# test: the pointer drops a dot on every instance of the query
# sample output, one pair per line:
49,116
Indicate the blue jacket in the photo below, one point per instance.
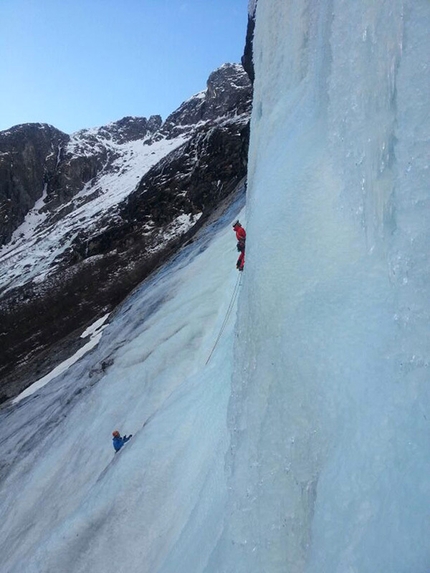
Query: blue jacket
119,441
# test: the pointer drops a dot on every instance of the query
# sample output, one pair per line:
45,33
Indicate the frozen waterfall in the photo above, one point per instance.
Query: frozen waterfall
303,446
330,408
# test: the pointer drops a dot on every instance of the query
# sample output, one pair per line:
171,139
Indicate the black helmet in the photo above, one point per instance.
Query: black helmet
237,224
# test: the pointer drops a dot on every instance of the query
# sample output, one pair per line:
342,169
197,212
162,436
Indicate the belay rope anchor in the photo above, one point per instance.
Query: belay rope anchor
227,316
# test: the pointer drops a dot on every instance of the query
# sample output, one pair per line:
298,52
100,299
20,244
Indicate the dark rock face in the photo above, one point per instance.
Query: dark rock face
192,180
90,151
247,58
37,159
221,97
28,153
247,61
227,93
130,128
101,262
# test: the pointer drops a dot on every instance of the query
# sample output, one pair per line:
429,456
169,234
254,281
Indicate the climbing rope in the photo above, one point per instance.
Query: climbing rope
227,316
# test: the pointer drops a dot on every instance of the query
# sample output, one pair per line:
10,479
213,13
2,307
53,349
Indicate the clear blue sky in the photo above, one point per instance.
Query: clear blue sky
83,63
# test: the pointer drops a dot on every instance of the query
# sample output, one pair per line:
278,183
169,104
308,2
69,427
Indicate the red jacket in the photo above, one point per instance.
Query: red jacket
240,232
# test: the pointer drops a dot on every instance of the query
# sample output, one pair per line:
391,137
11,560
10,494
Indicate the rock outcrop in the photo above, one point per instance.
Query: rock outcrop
28,153
247,58
39,162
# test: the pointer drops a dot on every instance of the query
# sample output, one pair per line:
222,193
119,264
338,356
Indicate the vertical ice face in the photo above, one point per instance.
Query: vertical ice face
330,412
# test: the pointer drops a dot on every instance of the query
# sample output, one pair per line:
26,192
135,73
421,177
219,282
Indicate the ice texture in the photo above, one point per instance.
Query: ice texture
329,415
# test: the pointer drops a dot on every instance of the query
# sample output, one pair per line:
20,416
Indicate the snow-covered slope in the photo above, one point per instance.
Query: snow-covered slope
41,239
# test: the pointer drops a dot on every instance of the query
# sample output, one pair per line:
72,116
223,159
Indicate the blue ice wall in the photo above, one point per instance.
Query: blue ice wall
330,412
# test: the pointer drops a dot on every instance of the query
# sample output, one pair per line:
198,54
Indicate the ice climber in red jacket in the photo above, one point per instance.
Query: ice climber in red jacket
241,240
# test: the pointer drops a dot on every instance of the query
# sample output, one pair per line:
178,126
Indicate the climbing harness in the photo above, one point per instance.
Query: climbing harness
227,316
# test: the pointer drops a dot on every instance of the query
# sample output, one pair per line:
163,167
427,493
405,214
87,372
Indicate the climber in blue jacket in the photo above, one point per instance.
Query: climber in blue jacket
119,441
